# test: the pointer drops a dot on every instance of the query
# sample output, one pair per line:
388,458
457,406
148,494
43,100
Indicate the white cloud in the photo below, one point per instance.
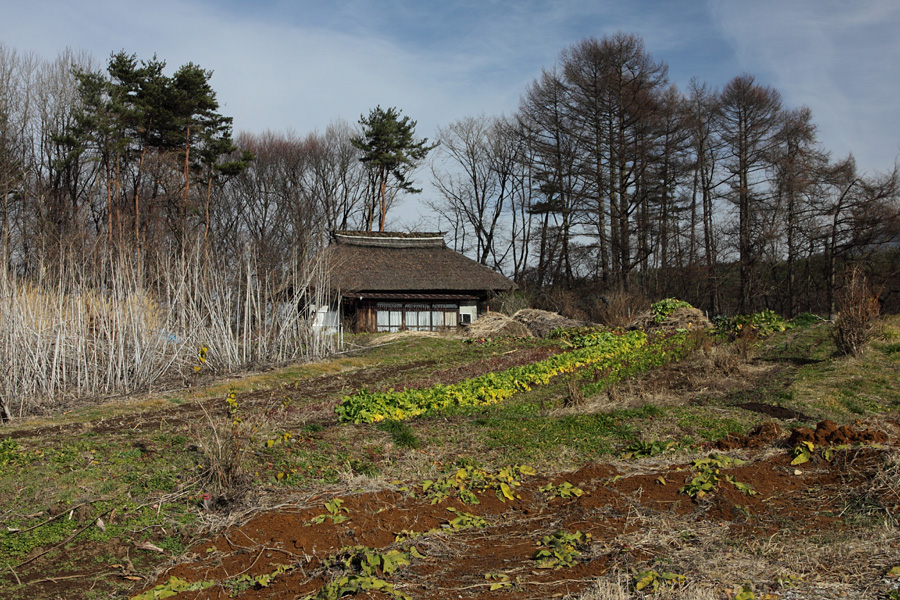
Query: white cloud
838,58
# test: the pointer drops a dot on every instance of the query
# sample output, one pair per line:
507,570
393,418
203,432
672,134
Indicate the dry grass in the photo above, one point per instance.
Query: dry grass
848,565
223,443
717,371
360,484
727,359
618,586
628,394
622,308
574,393
879,498
381,339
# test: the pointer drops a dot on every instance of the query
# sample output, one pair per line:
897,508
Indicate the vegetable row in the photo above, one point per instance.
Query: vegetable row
603,349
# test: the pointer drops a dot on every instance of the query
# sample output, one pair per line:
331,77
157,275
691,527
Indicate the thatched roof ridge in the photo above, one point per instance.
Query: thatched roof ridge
389,239
406,263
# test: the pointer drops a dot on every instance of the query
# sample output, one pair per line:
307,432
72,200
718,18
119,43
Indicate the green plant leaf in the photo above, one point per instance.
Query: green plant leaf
647,579
745,593
802,457
744,488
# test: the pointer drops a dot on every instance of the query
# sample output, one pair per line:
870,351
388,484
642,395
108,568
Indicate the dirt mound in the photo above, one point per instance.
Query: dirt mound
829,433
495,324
541,322
680,318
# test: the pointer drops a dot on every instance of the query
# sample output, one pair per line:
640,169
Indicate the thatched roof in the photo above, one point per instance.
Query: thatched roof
414,263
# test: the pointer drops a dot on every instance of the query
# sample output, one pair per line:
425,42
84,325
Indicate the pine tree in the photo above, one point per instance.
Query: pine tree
390,150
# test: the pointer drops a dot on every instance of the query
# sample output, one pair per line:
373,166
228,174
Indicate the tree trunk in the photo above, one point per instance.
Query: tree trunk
5,415
109,208
137,200
383,202
187,188
208,194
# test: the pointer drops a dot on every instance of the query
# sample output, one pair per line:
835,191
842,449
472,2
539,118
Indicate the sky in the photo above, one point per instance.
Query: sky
298,65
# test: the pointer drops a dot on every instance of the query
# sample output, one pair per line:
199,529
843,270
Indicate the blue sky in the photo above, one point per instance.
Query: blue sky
298,65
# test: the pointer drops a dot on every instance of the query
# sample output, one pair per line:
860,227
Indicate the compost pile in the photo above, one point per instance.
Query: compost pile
541,323
494,324
680,318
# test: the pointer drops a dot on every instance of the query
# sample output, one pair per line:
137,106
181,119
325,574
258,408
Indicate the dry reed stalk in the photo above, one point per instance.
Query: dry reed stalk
858,308
108,330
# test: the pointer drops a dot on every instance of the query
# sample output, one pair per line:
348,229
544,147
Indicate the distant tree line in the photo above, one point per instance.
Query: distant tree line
607,178
122,155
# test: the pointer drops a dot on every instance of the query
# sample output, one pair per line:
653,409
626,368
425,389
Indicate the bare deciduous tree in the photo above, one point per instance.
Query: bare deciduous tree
472,172
750,115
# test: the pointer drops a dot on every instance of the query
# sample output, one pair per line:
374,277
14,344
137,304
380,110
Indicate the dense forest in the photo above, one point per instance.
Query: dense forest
609,176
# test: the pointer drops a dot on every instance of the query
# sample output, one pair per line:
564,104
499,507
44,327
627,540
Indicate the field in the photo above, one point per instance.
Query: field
692,466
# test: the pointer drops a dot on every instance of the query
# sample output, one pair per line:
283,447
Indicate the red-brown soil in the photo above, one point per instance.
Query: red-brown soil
620,499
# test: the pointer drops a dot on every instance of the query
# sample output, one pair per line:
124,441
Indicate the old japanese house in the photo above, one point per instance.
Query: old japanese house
406,281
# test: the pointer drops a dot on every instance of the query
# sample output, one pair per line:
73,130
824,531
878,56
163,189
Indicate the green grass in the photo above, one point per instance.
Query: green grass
401,433
841,388
71,470
710,427
154,477
539,439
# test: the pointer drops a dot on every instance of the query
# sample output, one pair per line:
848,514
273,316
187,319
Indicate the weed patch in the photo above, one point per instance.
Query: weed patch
401,434
857,310
709,476
466,481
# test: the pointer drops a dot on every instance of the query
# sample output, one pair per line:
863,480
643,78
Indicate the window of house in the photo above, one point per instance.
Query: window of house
389,316
415,316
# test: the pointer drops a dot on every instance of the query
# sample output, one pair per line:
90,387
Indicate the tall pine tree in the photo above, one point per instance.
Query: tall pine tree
390,151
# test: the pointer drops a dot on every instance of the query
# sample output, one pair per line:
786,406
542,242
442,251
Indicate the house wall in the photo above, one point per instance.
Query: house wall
359,316
372,316
327,319
468,311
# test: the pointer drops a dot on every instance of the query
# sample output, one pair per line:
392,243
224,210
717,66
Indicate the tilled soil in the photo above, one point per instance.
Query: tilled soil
636,512
821,529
